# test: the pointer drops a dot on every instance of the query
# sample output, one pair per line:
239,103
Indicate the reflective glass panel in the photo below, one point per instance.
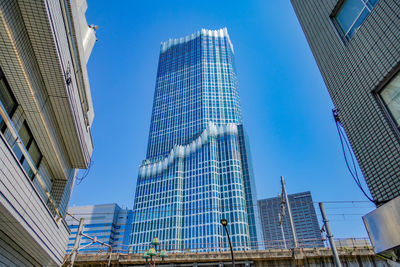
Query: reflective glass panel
6,98
391,97
35,154
24,134
349,13
352,14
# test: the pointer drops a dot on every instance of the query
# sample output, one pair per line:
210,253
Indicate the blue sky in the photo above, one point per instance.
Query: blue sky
286,107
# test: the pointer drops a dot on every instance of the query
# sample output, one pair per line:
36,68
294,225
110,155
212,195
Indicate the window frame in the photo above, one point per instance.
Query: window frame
31,140
377,94
334,20
3,126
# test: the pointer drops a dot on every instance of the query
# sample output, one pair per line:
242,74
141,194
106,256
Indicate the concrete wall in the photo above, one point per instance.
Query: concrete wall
362,256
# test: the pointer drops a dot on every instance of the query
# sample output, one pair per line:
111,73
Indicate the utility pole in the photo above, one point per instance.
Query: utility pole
283,233
330,236
77,241
289,212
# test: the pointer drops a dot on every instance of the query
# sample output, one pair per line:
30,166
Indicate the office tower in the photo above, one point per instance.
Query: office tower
109,223
45,118
304,218
197,170
356,46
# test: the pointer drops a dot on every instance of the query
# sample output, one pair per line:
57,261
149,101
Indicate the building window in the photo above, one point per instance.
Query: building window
351,14
390,96
7,99
31,146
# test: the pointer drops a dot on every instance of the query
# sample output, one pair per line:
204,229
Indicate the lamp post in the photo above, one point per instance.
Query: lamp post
224,223
152,252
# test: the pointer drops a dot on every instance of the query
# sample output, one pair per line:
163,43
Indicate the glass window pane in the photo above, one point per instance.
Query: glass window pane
24,134
17,152
6,98
391,97
359,21
28,169
35,154
348,13
371,3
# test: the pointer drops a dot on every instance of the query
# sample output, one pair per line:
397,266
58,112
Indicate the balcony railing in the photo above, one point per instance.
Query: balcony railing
19,148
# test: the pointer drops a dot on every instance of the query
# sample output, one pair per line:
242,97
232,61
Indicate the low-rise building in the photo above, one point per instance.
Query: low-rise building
46,115
109,223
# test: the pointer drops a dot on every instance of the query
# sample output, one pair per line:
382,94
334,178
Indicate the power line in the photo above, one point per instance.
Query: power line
219,208
344,140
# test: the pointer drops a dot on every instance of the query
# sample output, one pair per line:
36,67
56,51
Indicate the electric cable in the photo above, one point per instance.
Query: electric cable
79,180
343,139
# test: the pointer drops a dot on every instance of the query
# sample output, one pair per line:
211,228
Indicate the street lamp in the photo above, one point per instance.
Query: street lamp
152,252
224,223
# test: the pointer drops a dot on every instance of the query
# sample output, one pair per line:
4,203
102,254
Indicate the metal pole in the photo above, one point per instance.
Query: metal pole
283,233
230,244
330,236
289,212
77,241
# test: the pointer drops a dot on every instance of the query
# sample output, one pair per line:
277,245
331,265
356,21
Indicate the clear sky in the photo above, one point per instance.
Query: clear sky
286,107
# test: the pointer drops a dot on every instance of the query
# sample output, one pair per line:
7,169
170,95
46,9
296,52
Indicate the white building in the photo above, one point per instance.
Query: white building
46,115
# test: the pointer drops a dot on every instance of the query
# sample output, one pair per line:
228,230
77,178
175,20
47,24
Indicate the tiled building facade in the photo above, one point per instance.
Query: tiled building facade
108,223
356,45
45,118
304,218
197,169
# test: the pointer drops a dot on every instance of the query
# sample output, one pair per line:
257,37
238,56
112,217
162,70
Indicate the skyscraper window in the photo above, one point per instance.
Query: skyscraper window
197,153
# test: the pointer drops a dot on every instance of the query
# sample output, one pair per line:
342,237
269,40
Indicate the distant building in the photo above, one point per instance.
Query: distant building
108,223
356,46
304,218
198,167
46,114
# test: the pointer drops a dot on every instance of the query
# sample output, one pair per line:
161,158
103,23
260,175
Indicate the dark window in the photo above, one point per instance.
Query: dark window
390,96
31,146
351,14
7,99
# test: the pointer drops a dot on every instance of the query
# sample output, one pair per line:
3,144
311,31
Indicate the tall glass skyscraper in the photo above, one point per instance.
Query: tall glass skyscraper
198,168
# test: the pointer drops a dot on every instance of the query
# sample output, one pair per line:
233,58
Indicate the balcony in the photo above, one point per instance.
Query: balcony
30,221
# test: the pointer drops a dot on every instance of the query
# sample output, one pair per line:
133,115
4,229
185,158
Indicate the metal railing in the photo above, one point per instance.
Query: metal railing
36,176
341,243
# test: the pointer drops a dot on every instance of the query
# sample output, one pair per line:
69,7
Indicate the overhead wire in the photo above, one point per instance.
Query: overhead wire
343,142
79,180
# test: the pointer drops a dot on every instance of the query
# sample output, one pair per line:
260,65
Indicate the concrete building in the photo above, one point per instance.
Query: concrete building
304,218
46,115
198,168
108,223
356,44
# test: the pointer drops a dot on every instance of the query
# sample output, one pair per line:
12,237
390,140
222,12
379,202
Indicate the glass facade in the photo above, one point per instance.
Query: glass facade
109,223
304,218
197,170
